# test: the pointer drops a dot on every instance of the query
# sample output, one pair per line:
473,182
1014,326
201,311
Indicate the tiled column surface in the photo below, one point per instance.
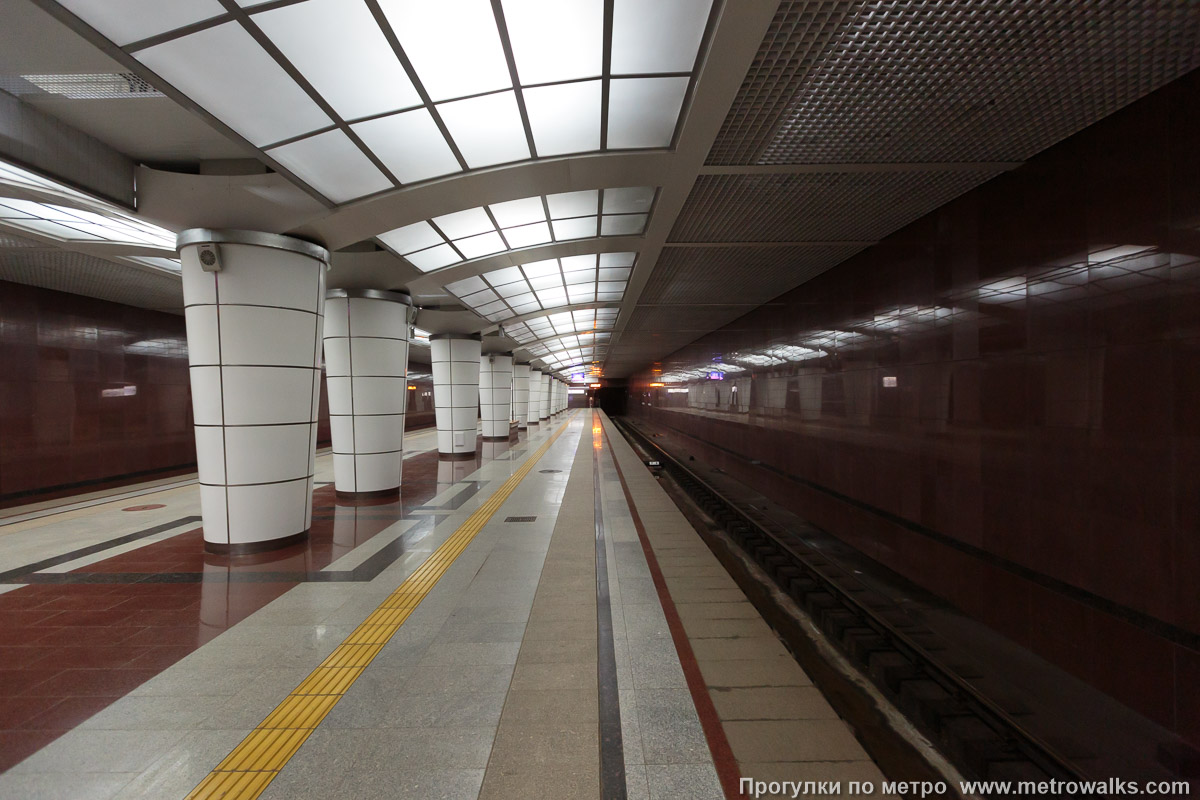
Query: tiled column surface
544,396
495,394
366,368
535,394
455,359
520,396
254,341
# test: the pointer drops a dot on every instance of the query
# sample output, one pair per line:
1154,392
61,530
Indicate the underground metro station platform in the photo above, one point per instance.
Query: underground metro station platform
602,399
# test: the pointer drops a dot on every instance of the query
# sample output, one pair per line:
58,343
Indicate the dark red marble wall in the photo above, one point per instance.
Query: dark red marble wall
89,391
1037,460
94,394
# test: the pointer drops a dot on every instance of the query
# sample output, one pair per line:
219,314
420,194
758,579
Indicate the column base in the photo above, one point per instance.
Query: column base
497,438
456,456
368,495
249,548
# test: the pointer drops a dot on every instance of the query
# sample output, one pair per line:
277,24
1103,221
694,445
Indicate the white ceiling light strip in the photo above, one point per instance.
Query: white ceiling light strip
573,280
425,89
78,219
449,239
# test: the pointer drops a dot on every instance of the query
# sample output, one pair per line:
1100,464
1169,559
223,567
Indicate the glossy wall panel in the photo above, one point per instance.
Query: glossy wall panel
1000,402
60,352
89,391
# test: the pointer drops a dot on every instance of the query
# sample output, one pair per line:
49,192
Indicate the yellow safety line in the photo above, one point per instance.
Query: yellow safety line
254,763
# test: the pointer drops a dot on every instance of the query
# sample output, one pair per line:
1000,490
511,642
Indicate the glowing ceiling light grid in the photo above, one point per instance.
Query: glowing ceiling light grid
423,89
100,222
598,321
555,282
515,224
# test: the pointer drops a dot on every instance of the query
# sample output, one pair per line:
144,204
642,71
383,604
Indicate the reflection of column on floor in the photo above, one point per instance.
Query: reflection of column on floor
536,383
348,531
255,380
225,601
495,394
455,358
495,449
521,395
451,471
366,367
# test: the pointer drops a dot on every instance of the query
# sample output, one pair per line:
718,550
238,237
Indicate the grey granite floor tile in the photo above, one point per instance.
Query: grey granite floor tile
408,783
683,782
60,786
671,731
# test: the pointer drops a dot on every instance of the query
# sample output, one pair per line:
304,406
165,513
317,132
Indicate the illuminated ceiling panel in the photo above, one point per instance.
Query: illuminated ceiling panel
495,83
575,280
98,222
500,227
77,218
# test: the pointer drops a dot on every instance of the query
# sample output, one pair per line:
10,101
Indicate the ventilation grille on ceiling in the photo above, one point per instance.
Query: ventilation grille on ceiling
927,80
820,206
87,86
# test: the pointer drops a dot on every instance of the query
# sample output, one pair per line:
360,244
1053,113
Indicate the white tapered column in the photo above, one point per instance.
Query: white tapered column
366,372
495,394
455,358
520,396
558,397
536,382
544,398
253,305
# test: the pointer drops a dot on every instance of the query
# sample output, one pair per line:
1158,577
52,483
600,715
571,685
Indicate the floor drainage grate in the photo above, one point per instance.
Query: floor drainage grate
549,471
520,519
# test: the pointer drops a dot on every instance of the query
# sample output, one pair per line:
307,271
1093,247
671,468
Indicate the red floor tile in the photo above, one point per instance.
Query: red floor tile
69,650
92,682
68,712
21,682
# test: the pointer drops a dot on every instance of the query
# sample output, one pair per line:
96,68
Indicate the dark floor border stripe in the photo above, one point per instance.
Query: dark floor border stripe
1150,624
612,744
112,481
718,744
28,569
368,570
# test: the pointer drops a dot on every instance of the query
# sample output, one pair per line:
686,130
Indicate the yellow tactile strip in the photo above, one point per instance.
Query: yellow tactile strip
255,762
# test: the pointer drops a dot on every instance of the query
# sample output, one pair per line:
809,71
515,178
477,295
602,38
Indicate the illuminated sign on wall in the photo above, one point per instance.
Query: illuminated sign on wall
716,376
124,391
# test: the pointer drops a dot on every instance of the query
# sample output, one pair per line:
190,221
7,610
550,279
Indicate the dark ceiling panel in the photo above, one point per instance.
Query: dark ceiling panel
928,80
821,206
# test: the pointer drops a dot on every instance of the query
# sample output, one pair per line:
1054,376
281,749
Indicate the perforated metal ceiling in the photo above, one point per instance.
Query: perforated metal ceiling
929,80
25,261
798,35
751,275
823,206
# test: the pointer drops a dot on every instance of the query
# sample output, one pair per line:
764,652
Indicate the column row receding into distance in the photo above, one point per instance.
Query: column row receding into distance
257,315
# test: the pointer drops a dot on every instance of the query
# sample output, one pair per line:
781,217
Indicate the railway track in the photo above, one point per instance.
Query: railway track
980,738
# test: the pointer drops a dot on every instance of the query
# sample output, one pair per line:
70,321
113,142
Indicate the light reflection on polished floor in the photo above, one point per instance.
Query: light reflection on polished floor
136,674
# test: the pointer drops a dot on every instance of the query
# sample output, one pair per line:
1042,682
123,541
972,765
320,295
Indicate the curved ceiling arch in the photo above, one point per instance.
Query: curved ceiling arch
355,222
432,282
353,98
